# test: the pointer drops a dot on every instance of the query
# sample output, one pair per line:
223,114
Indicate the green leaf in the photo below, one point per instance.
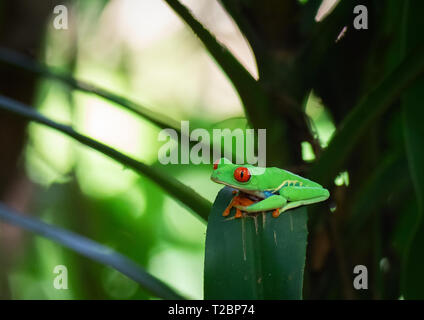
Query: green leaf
363,115
413,115
249,90
236,10
92,250
321,38
175,188
373,193
18,60
254,258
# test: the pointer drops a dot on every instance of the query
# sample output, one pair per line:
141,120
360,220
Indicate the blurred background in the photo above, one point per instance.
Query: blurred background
141,49
138,49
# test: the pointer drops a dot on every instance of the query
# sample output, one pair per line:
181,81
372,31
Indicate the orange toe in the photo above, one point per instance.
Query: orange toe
239,214
276,213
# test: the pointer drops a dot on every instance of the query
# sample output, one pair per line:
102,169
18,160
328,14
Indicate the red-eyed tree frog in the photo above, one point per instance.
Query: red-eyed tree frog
263,189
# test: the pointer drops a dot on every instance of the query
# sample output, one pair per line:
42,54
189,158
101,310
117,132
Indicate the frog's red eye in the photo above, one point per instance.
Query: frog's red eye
242,174
215,164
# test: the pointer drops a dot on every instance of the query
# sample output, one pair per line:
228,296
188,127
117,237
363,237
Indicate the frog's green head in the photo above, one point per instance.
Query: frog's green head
246,178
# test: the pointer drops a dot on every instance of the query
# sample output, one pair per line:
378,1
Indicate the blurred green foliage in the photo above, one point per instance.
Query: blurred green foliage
346,113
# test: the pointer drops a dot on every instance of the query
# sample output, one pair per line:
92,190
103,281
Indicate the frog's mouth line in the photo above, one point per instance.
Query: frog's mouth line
254,195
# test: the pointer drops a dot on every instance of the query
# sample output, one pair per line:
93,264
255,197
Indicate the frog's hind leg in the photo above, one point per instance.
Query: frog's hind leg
270,203
295,204
299,196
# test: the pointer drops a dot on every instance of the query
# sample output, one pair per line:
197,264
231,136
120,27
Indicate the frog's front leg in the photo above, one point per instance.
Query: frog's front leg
274,202
237,201
299,196
234,200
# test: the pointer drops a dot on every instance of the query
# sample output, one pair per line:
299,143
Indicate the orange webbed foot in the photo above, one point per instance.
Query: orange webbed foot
238,200
276,213
239,214
226,212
